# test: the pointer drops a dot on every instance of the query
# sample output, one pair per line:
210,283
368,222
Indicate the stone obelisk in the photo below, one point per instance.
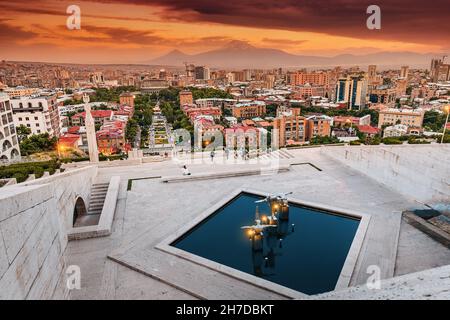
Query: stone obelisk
90,131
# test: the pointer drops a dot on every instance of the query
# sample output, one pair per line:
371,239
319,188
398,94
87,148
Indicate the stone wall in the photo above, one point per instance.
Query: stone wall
67,188
34,220
421,172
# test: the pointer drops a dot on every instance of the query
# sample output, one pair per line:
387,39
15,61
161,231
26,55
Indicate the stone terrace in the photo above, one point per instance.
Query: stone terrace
126,264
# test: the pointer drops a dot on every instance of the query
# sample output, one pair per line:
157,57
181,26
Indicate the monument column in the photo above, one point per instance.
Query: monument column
90,131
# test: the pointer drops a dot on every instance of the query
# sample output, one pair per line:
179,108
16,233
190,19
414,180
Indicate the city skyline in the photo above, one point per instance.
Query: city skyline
140,31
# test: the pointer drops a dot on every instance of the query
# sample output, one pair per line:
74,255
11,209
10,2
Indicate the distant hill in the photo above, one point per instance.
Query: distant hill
239,54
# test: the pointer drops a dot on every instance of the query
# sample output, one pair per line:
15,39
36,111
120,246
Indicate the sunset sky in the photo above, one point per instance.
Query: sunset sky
137,31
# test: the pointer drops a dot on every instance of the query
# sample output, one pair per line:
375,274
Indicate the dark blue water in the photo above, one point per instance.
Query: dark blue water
309,260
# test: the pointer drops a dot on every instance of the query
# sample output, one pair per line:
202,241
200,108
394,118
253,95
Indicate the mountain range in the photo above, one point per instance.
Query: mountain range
239,54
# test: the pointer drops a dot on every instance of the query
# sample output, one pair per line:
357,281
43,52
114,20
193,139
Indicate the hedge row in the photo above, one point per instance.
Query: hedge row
21,171
101,158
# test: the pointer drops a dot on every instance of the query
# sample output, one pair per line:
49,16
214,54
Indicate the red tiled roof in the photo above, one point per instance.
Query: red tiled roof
368,129
95,114
243,128
344,119
109,134
73,130
68,140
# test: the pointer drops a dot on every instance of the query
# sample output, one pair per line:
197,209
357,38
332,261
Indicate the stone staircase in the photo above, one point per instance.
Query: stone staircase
278,154
92,217
98,195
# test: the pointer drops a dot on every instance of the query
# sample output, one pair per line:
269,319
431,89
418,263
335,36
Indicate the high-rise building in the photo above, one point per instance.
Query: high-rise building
404,71
190,70
269,81
373,78
439,70
372,72
202,73
199,73
352,90
162,74
206,73
247,75
39,113
238,76
9,144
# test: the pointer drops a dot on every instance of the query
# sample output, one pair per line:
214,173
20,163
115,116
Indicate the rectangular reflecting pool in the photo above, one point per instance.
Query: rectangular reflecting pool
297,247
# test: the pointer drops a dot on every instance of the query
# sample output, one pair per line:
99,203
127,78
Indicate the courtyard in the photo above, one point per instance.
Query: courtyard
129,264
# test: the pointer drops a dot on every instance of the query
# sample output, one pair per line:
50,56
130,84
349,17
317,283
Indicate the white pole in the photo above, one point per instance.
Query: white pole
447,109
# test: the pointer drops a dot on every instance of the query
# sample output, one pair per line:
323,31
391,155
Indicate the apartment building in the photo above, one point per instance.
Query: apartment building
307,91
20,91
127,98
318,126
383,94
439,70
100,117
9,144
407,117
290,127
186,98
247,110
39,113
314,78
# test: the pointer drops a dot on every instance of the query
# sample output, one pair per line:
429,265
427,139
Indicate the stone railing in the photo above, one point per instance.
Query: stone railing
34,220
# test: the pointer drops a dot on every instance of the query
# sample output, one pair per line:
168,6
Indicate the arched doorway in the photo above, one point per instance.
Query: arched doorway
6,145
15,154
79,210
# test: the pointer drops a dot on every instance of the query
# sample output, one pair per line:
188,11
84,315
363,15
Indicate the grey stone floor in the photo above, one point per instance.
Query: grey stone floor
152,210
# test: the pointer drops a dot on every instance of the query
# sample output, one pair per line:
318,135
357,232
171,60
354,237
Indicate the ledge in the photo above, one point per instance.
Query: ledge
346,271
221,175
428,228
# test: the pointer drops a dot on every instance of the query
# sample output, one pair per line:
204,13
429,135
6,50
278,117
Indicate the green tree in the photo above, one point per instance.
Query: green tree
319,140
38,143
132,130
23,132
434,120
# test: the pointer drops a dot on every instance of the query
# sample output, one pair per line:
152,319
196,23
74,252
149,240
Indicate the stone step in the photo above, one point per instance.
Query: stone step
100,184
95,206
98,194
99,188
97,200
